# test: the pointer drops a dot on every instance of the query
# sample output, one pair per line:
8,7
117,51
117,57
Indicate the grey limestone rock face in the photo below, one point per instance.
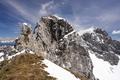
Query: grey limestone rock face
25,37
102,44
57,41
71,55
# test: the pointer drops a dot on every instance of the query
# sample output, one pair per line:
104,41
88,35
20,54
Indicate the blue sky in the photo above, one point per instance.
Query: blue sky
81,13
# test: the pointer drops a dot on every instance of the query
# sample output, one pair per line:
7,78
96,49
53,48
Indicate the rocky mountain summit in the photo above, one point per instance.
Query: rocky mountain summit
104,53
59,43
56,40
102,44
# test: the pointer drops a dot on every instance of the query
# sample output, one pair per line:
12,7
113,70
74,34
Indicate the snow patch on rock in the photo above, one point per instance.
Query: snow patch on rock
69,34
25,23
89,30
9,57
1,56
58,17
58,72
103,70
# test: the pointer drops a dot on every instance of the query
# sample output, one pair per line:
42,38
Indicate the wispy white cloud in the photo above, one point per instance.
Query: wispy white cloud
94,15
116,32
47,8
108,17
21,10
44,10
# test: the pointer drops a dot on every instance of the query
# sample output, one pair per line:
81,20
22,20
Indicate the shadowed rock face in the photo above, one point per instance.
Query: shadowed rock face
56,28
71,55
103,46
60,44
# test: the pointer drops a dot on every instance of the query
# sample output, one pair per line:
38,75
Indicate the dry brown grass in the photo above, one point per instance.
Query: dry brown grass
24,67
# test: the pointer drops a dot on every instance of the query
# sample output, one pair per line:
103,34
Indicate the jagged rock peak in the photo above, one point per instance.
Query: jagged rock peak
100,31
26,29
102,45
53,17
56,26
93,30
50,17
24,38
49,38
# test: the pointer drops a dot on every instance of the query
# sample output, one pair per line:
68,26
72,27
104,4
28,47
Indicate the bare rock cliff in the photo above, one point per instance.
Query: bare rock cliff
59,43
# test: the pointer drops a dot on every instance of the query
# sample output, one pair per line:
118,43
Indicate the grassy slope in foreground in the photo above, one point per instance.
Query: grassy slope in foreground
24,67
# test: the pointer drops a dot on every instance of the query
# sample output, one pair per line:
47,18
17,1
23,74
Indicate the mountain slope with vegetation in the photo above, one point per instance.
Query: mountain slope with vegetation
24,67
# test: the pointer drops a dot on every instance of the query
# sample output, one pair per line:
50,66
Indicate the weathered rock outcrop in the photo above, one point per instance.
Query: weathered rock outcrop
25,36
59,43
102,45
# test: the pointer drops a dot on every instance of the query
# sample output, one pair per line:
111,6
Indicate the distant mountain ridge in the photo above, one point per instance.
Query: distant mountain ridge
7,39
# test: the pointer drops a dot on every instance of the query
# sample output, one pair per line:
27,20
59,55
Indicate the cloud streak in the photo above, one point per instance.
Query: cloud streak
109,16
47,8
116,32
22,11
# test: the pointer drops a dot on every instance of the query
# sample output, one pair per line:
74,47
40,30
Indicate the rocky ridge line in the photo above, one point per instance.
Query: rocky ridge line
59,43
